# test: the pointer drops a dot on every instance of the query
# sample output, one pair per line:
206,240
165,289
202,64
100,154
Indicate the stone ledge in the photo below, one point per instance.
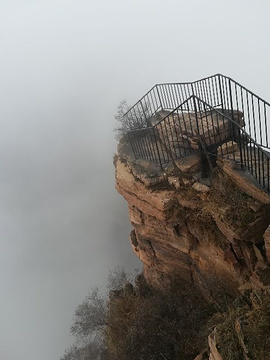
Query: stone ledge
244,181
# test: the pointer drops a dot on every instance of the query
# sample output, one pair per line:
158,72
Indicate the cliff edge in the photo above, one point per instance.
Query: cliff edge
199,226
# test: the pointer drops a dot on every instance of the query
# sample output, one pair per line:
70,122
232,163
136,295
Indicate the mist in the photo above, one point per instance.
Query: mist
65,67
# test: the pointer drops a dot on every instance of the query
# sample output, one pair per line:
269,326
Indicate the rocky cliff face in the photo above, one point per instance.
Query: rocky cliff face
211,233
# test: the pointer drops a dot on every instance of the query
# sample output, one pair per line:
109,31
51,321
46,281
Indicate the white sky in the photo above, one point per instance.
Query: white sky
64,67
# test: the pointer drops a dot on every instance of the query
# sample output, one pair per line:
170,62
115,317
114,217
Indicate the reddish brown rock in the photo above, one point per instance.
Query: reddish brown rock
189,164
208,236
200,187
185,130
212,235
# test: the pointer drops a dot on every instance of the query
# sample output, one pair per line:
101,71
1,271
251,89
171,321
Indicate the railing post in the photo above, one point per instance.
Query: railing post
159,98
231,99
196,113
198,134
145,117
158,154
220,92
131,143
233,126
192,89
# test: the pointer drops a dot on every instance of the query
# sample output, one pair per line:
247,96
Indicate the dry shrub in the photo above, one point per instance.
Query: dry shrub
157,327
253,338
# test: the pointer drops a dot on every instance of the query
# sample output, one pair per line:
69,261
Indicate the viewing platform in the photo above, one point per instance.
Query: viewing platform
215,116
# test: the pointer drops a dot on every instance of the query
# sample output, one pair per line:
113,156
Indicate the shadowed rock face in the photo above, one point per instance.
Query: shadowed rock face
209,233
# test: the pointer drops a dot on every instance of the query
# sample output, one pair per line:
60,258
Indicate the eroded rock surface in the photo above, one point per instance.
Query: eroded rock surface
212,234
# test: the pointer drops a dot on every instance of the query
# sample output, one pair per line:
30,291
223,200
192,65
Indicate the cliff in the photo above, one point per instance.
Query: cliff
199,227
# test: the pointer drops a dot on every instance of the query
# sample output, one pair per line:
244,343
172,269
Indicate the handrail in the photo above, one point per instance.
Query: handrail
236,124
176,136
217,90
256,109
251,92
177,103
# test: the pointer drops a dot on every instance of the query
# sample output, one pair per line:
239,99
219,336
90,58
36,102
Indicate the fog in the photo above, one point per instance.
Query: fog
65,65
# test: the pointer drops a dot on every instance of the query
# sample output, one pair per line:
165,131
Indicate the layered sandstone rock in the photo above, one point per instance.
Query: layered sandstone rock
210,233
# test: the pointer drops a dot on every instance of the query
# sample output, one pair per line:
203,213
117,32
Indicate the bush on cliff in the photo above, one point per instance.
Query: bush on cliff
91,321
157,326
136,323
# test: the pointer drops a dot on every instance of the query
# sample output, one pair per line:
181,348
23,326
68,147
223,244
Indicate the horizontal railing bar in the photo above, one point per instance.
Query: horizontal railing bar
178,107
189,82
142,129
197,81
138,102
174,83
243,87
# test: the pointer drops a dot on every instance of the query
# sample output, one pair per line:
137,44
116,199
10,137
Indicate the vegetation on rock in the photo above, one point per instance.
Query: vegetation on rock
134,323
243,330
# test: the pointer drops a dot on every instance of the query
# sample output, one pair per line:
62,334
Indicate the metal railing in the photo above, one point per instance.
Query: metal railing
206,113
218,91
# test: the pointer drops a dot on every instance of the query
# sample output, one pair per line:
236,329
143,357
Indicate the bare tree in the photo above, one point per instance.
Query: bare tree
90,316
118,277
91,321
129,326
87,350
130,118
